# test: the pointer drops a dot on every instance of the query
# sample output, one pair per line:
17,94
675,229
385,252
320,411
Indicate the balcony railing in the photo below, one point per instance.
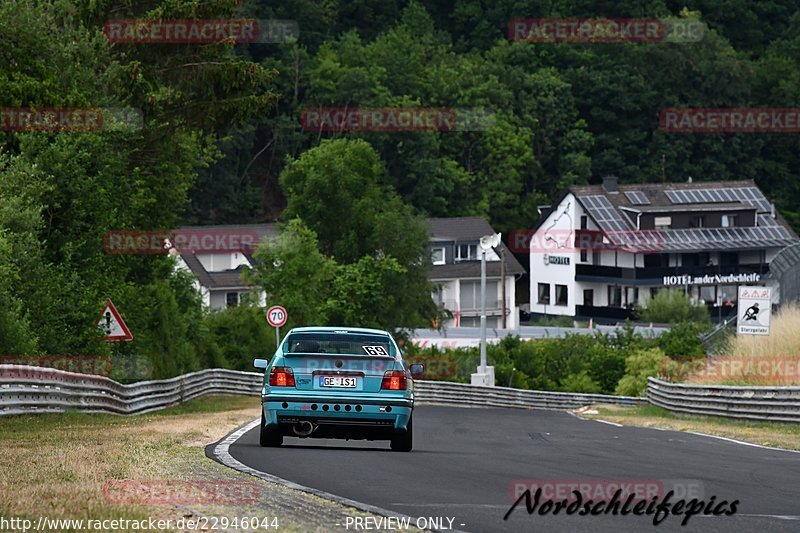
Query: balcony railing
493,307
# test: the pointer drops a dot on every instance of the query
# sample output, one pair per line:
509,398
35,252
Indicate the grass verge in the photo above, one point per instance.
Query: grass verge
772,434
56,465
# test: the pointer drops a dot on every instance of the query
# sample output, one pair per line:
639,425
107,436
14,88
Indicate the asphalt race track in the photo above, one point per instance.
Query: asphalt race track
465,462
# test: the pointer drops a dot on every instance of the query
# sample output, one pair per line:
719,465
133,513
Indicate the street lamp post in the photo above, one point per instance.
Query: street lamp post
482,369
485,374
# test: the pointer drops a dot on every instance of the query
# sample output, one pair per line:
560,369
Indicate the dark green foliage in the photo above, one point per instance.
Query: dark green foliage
673,307
218,146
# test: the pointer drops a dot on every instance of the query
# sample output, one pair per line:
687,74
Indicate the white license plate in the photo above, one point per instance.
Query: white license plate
337,381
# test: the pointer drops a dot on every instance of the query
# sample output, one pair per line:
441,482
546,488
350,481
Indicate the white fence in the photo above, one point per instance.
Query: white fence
27,389
781,404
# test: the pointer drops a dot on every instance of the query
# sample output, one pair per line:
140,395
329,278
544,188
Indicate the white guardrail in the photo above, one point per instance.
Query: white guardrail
780,404
28,389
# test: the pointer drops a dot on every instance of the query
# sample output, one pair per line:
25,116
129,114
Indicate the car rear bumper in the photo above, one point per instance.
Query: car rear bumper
356,418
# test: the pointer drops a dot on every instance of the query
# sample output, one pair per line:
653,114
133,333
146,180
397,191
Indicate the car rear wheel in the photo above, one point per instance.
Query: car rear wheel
404,441
269,438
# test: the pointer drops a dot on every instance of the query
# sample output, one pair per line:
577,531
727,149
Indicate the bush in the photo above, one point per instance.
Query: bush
241,335
672,307
555,321
682,341
580,382
638,367
575,363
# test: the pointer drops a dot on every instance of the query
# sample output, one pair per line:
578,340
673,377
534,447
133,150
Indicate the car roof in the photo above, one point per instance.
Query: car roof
329,329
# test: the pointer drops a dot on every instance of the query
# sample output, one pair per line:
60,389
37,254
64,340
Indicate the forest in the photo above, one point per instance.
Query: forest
221,140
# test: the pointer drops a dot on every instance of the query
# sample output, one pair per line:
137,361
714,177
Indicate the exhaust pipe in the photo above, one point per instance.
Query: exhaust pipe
304,428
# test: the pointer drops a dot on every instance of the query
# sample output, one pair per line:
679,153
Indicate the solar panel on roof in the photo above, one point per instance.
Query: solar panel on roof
742,237
604,213
637,198
751,196
766,220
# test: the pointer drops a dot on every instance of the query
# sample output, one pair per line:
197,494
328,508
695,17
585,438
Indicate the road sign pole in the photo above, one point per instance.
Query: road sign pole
277,337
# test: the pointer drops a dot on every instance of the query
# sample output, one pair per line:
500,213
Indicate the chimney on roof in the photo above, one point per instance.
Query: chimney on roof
689,180
611,184
772,210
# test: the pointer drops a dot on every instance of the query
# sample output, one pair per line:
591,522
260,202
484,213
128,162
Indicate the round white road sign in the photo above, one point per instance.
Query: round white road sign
276,316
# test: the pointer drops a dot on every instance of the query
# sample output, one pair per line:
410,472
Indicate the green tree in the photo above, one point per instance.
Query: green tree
295,273
672,307
239,335
336,189
638,367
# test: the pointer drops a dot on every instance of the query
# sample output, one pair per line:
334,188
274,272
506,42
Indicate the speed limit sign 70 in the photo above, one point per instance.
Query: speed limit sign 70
276,316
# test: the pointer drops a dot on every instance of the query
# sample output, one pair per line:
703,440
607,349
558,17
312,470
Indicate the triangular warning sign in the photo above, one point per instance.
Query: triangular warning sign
112,325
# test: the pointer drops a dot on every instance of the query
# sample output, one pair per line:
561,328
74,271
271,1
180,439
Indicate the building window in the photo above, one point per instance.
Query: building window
475,322
471,295
662,222
728,258
438,295
729,221
588,297
656,260
561,295
544,293
708,294
438,256
690,260
728,294
584,222
466,252
697,221
614,296
232,299
584,255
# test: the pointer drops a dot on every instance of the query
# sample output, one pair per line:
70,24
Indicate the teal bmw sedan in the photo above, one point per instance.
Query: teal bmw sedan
338,383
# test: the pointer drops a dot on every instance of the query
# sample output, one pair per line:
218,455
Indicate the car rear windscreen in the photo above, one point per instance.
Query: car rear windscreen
340,343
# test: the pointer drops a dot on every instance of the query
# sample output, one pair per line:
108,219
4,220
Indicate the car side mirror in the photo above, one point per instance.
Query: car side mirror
417,370
260,363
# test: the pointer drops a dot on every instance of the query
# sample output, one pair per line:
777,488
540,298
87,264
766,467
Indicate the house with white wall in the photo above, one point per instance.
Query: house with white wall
455,270
600,250
456,273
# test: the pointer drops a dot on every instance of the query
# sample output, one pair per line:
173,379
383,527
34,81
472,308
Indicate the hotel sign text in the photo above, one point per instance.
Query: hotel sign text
711,280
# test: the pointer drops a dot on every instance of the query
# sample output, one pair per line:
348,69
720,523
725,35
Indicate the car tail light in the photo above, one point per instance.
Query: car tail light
394,380
281,376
